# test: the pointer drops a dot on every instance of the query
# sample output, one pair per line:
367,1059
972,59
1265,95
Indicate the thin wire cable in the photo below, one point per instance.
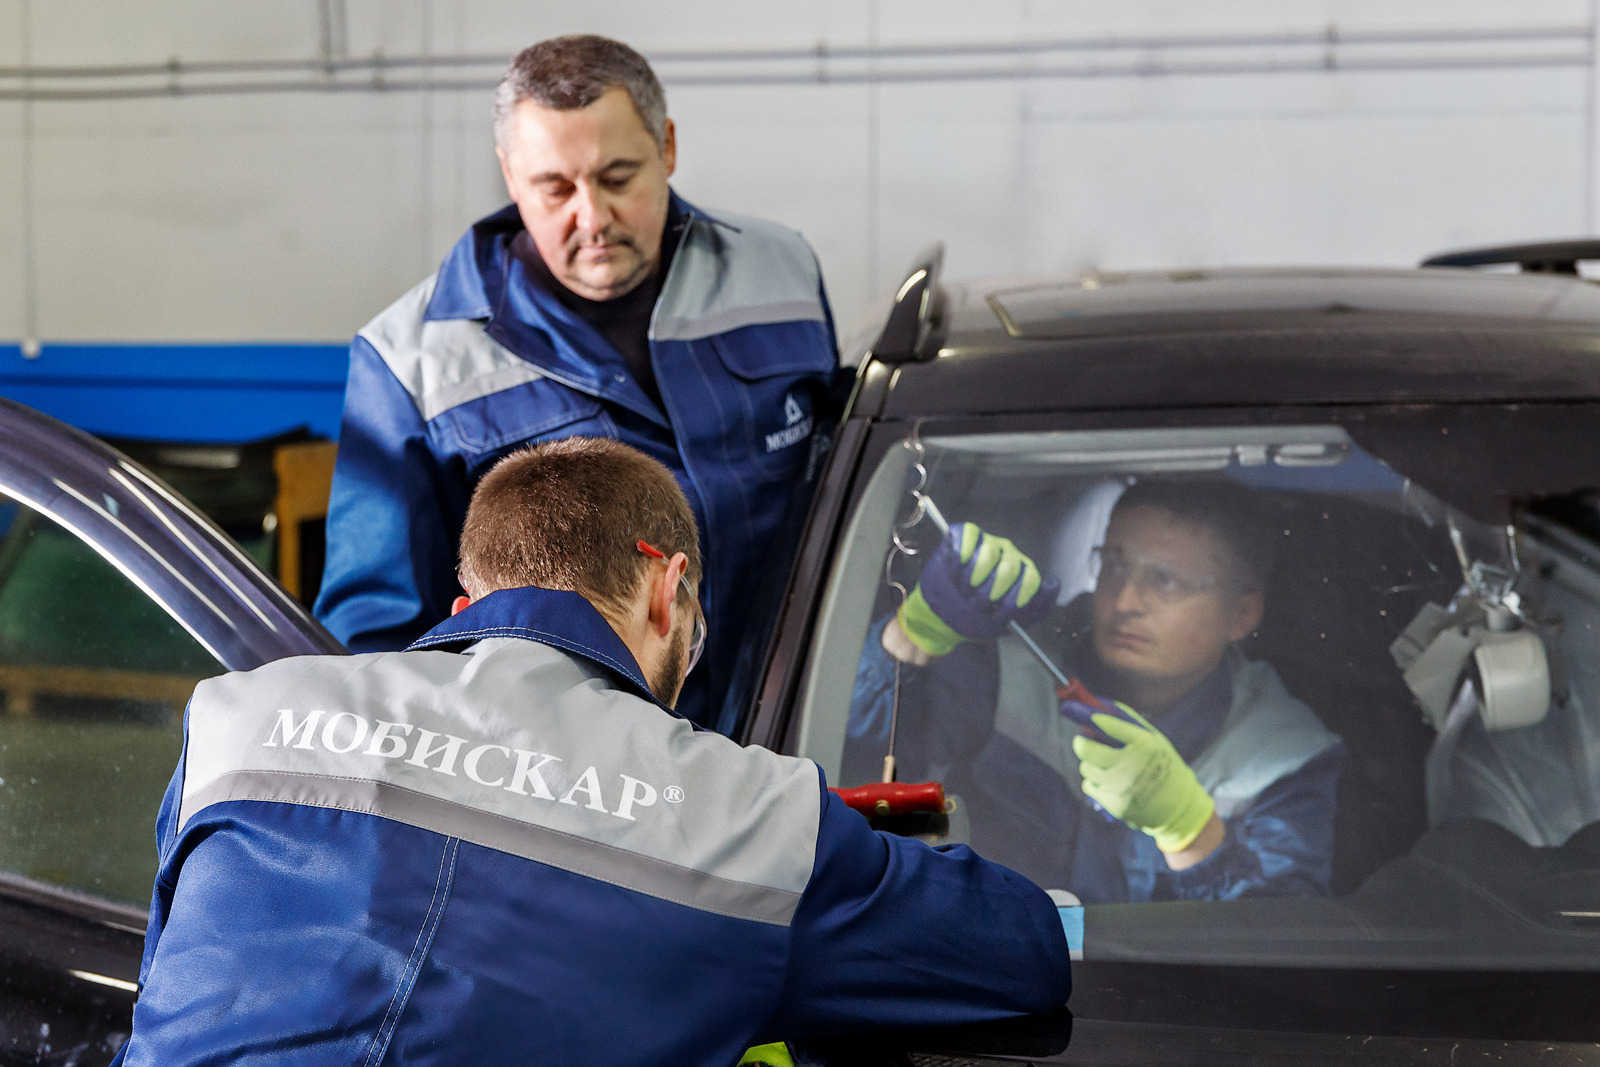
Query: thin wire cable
898,548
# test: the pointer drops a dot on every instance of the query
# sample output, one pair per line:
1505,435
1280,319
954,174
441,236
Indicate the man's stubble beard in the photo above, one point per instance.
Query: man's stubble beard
645,269
668,680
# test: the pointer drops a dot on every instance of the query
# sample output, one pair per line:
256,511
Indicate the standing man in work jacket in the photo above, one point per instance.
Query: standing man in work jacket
599,303
502,847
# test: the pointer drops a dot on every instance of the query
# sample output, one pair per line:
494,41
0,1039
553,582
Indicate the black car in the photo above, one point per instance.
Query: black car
1428,443
1422,436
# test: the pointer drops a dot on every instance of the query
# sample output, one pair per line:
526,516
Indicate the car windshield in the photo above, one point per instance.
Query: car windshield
1370,645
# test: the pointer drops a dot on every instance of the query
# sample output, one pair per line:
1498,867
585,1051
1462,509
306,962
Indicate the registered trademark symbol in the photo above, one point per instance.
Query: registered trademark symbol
672,795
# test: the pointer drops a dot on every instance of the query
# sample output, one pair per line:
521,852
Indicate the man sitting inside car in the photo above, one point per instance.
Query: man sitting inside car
1208,781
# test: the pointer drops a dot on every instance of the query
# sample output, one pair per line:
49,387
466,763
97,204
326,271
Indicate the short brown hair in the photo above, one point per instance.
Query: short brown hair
1229,509
566,73
569,514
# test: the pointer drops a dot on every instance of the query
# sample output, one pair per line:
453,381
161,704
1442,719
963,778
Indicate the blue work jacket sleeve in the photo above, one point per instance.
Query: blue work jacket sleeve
394,518
161,892
1281,845
892,932
166,839
827,316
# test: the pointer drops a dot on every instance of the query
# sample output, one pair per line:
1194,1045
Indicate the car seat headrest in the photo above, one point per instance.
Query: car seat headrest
1080,530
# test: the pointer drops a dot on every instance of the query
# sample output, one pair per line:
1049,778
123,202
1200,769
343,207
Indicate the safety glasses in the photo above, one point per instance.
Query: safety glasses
1150,578
697,640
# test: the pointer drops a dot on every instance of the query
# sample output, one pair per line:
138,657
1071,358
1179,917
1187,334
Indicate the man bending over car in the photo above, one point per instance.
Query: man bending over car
502,846
1186,772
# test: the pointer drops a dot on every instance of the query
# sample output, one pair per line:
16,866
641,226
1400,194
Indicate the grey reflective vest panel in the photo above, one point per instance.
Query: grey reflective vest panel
519,747
733,271
442,363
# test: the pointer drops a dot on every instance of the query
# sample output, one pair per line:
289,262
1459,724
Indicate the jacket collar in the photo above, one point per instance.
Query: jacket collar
472,276
477,281
471,273
551,617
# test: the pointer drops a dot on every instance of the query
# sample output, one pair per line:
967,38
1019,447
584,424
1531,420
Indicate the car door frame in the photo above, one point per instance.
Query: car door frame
71,960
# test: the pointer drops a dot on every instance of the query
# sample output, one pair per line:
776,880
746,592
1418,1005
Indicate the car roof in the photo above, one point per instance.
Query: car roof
1249,337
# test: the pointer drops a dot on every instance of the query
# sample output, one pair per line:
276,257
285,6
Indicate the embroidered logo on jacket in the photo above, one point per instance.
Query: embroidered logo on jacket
489,765
798,426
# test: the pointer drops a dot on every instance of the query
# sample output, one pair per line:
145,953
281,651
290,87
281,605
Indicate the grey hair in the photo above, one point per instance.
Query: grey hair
566,73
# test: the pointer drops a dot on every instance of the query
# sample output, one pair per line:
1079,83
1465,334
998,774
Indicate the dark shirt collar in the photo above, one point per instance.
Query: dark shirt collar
551,617
1195,721
622,322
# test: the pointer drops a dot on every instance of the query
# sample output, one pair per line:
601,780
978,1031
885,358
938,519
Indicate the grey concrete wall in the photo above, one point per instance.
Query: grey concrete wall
297,215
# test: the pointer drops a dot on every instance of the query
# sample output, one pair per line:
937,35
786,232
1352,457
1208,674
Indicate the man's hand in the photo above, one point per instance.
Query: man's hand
1147,785
773,1055
973,586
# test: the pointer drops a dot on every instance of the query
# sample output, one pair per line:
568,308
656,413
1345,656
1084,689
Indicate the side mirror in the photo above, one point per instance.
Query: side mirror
911,331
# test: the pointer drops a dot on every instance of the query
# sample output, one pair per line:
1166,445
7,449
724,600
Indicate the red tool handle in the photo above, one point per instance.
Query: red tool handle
1075,697
894,798
1079,692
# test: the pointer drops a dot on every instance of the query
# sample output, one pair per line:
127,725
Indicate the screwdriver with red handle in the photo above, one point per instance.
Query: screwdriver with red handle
1078,703
1081,706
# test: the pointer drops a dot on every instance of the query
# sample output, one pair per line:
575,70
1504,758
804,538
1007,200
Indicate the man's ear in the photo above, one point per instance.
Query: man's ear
1246,614
505,174
458,604
669,147
664,591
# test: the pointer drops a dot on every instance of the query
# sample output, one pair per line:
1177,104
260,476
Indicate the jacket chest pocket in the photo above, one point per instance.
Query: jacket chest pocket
776,375
524,414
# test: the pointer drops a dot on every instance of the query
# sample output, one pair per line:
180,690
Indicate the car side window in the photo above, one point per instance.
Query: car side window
94,679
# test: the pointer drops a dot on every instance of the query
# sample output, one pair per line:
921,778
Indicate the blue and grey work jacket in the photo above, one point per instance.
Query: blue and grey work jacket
479,359
497,848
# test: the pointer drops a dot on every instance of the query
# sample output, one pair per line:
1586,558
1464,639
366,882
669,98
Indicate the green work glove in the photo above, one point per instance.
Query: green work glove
1145,783
773,1055
973,586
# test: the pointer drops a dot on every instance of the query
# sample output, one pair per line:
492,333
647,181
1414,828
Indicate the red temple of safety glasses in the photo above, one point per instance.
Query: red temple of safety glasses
697,640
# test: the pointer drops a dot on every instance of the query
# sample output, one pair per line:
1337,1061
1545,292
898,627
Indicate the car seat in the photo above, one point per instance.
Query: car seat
1538,778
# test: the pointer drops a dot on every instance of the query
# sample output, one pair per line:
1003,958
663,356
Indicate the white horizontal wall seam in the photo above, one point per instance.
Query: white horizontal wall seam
1325,50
